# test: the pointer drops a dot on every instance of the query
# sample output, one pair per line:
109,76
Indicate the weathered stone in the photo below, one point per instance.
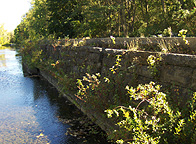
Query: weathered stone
144,71
176,74
176,69
94,57
180,60
193,83
30,70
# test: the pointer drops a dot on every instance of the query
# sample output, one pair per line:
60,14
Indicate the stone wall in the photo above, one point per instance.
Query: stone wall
178,69
174,69
122,43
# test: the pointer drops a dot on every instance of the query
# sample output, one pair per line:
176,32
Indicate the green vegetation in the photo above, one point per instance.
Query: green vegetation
154,62
5,37
147,115
152,119
102,18
144,114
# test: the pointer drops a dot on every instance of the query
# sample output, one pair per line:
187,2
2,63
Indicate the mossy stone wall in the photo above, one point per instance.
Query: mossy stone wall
178,69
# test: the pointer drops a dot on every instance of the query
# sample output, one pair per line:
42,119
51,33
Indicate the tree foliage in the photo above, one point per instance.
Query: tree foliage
4,35
102,18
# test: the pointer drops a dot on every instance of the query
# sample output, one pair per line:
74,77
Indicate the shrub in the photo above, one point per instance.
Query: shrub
152,120
103,92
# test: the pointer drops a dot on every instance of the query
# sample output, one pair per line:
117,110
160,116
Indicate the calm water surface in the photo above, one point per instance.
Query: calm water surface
30,110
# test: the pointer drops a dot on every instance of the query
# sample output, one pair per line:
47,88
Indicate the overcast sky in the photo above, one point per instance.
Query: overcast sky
11,12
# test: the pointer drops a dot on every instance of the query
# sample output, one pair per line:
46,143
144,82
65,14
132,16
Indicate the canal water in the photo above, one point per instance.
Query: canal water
32,112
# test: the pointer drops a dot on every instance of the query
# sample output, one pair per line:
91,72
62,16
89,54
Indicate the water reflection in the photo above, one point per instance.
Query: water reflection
30,110
2,62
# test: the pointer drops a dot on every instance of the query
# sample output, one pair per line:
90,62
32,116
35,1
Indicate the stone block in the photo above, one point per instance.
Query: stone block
94,57
193,83
177,75
144,71
183,60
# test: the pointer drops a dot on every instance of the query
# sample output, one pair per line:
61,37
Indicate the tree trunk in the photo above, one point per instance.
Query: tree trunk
163,6
123,18
134,12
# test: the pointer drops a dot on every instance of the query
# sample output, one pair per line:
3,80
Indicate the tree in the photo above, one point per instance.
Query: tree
4,35
102,18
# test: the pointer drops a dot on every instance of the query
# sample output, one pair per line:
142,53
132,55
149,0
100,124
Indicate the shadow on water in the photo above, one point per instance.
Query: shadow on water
31,110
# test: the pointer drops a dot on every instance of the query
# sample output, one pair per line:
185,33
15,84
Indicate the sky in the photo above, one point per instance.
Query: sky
11,12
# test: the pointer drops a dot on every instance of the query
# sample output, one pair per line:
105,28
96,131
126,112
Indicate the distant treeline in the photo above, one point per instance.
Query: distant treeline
102,18
5,37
